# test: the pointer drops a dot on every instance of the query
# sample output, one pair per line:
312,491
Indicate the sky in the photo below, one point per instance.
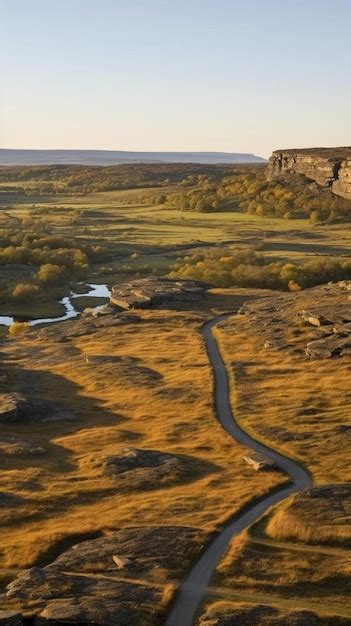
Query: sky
205,75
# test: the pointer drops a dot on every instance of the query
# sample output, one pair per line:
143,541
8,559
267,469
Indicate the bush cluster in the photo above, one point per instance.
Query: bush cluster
249,190
54,260
246,268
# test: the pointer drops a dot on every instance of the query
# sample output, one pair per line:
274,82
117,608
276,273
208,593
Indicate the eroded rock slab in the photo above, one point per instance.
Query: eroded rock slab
146,292
138,468
323,330
85,584
74,599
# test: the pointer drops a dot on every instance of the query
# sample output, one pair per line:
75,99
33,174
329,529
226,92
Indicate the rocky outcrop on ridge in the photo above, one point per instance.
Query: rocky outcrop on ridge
329,167
323,330
146,292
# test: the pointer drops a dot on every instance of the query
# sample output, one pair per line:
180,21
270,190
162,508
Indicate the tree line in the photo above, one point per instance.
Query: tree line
248,268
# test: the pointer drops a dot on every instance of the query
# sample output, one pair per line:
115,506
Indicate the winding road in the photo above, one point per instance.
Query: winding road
193,588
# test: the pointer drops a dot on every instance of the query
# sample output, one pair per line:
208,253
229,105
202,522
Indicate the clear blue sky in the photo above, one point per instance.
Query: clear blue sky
232,75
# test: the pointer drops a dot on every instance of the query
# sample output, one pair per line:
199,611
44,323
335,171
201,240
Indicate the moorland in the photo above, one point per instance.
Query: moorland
134,390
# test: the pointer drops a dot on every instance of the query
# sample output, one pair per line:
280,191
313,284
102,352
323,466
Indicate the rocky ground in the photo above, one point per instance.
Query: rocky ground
100,581
318,515
314,323
146,292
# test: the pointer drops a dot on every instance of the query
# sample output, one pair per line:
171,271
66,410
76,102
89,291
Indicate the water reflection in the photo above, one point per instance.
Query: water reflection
96,291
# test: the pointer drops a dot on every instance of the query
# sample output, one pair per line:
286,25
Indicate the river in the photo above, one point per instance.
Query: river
95,291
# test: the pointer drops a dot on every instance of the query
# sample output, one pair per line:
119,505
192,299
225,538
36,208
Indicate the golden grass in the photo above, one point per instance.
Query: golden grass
294,404
157,395
312,525
268,610
301,408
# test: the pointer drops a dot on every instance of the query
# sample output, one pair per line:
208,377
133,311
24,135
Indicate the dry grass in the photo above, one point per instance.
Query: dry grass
264,610
323,520
303,409
296,405
156,395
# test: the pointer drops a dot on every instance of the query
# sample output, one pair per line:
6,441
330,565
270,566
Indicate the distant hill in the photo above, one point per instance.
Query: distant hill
114,157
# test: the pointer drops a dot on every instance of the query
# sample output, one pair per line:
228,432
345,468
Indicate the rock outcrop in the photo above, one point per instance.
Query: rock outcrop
321,331
150,469
326,508
146,292
329,167
17,408
99,581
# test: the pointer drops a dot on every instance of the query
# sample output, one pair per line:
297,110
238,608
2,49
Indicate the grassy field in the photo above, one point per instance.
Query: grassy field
301,408
157,395
144,239
154,391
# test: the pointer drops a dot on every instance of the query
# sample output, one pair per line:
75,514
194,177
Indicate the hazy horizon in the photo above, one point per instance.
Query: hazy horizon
114,157
160,77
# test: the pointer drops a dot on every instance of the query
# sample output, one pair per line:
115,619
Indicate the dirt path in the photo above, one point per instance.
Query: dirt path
193,588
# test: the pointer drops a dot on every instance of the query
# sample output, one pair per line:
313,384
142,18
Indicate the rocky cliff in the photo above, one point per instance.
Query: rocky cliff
329,167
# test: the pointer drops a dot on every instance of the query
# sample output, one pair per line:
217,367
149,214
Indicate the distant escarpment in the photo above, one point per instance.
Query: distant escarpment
328,167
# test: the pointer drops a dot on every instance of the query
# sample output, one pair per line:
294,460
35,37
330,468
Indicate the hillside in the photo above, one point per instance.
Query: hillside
113,157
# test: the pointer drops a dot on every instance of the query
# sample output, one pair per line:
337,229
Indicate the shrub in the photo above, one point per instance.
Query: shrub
246,268
24,292
17,328
51,274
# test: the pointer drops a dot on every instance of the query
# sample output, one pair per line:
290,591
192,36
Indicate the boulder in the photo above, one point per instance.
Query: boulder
121,561
259,461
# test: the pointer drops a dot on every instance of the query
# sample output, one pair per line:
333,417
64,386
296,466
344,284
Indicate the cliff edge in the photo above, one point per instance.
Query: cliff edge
329,167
